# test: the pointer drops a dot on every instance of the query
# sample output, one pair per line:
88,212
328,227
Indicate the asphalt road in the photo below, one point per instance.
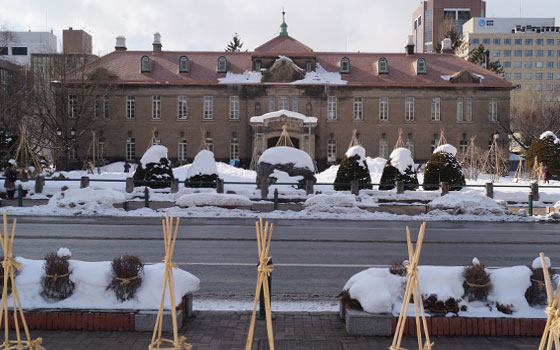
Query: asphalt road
312,258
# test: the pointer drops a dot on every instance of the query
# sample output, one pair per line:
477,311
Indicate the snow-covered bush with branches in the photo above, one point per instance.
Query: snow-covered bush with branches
155,169
546,150
353,167
399,167
443,167
203,171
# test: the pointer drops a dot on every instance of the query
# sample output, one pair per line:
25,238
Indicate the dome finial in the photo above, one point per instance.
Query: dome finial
283,26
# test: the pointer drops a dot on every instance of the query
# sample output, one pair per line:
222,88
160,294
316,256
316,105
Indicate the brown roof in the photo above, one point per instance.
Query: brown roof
363,71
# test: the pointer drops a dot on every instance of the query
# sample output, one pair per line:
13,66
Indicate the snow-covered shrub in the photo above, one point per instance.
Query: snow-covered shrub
349,302
477,281
509,286
292,161
127,276
536,293
353,167
203,171
547,151
443,167
213,199
56,283
399,167
87,198
375,289
155,169
440,307
331,203
469,202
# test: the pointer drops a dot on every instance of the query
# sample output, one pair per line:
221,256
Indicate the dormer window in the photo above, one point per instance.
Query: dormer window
383,66
344,65
145,64
183,64
421,67
222,64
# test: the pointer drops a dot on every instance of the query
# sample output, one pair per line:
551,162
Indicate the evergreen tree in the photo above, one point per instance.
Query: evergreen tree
547,152
391,174
155,175
477,57
235,44
352,168
203,171
443,167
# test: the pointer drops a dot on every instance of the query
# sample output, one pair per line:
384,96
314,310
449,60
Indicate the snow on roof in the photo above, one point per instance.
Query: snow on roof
448,77
359,150
243,78
447,148
203,164
401,158
321,76
153,155
290,114
286,58
550,134
286,155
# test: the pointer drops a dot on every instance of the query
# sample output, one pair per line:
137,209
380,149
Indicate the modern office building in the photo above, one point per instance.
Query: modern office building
433,18
527,48
21,45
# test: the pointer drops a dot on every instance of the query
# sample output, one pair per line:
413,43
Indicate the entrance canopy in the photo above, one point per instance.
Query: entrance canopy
283,114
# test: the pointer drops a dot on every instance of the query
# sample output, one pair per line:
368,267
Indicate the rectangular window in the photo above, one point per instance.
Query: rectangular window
518,53
528,41
539,53
72,106
518,41
528,64
409,109
96,106
475,41
538,64
295,106
557,76
331,108
130,107
549,87
106,107
549,53
486,41
156,107
496,53
384,108
234,107
234,149
549,64
538,87
507,64
209,144
459,109
182,150
19,51
539,41
529,53
549,76
436,109
383,148
517,76
208,112
507,41
550,42
468,110
358,108
496,41
507,53
507,75
130,149
331,151
182,107
528,76
538,76
284,103
271,104
493,110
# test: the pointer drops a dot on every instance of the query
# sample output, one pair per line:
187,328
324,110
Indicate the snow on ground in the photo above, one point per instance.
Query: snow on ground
284,177
91,280
213,199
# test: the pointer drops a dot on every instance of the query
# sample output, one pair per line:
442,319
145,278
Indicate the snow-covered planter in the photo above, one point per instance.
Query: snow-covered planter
213,199
353,167
289,160
399,167
203,171
443,167
88,199
469,202
155,169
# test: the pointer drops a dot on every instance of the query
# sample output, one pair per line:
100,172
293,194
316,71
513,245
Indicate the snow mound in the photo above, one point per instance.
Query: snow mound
376,289
376,165
153,155
284,177
468,202
213,199
444,281
401,158
475,261
447,148
509,286
203,164
331,200
550,134
63,252
356,150
537,263
87,198
286,155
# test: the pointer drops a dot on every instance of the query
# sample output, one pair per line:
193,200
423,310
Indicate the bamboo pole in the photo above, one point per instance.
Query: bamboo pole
552,328
413,289
264,236
178,343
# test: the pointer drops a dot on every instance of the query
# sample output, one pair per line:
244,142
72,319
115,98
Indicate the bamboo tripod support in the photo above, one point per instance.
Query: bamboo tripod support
10,263
552,328
354,139
400,142
178,343
413,288
442,140
284,139
264,234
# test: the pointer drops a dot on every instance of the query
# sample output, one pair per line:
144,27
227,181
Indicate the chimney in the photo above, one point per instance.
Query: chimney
446,46
157,43
409,48
121,43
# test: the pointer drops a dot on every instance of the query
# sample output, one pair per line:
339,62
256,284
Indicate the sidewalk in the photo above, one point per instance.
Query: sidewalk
212,330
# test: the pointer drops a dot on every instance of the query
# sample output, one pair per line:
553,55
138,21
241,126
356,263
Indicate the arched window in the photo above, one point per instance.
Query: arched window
421,67
222,64
145,64
344,65
383,66
257,108
183,64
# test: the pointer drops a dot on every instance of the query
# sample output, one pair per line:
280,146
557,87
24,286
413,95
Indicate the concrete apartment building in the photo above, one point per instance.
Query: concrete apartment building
21,45
527,48
433,18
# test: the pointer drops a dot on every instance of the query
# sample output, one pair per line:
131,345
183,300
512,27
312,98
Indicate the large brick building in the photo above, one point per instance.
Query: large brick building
193,100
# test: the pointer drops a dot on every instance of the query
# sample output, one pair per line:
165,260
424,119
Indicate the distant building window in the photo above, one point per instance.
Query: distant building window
183,64
507,41
486,41
106,107
540,53
234,149
383,65
517,76
549,76
208,112
331,108
295,104
383,147
409,144
182,107
145,64
468,109
436,109
209,144
331,151
19,51
358,108
528,41
538,64
518,53
507,75
507,64
72,106
538,87
182,150
284,103
540,42
475,41
549,53
493,110
550,42
529,53
409,109
463,145
344,65
517,64
257,108
421,66
496,41
538,76
130,107
496,53
549,87
384,108
309,109
518,41
222,64
234,107
309,66
130,148
460,109
271,104
258,65
507,53
528,64
528,76
156,107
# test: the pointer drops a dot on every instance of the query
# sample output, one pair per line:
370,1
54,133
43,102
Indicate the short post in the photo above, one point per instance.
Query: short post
444,188
275,199
264,188
489,189
355,187
262,314
39,183
531,203
308,187
174,185
220,185
19,196
84,182
129,185
146,197
535,190
400,187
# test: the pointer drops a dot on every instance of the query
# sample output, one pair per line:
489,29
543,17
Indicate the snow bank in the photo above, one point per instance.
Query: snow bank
337,203
550,134
444,281
321,76
243,78
203,164
468,202
447,148
356,150
376,165
212,199
286,155
290,114
87,198
284,177
153,155
401,158
509,285
91,280
376,289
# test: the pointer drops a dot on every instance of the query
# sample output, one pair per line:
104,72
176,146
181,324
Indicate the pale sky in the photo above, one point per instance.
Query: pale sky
323,25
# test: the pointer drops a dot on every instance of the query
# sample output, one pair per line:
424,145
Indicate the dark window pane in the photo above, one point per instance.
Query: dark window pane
19,51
